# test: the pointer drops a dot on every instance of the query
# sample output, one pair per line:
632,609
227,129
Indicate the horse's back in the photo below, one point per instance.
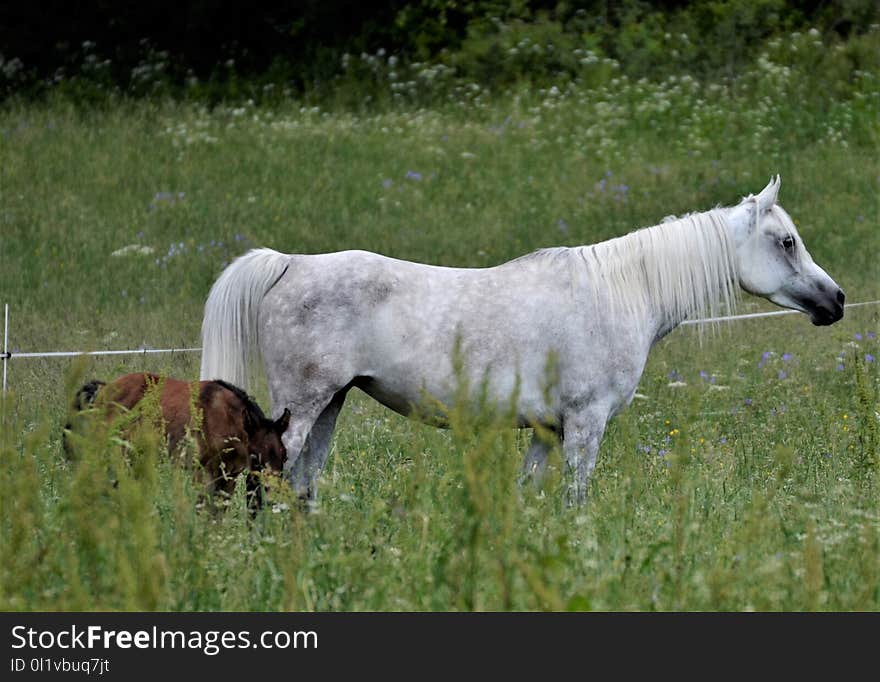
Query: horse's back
393,326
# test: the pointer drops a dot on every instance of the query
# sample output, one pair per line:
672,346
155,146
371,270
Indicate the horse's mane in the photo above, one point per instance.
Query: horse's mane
685,267
249,403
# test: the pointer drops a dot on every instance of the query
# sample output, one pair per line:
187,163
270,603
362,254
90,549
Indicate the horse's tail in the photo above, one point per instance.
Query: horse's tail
229,328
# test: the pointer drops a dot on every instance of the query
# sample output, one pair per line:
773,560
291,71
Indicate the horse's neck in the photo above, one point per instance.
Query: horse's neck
663,271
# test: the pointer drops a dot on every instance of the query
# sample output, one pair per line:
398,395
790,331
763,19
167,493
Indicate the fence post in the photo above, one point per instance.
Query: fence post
5,346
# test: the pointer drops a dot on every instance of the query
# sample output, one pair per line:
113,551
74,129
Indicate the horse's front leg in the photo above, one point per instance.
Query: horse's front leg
581,436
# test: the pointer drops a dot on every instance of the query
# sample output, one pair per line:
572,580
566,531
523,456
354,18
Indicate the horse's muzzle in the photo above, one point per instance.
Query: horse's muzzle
829,311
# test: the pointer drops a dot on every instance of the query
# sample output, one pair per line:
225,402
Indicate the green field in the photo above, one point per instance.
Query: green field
754,485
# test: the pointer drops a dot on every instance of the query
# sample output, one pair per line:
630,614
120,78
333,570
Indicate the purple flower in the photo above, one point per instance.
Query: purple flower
839,367
858,336
786,357
781,374
387,182
674,375
414,175
747,401
723,440
869,357
827,455
872,335
661,453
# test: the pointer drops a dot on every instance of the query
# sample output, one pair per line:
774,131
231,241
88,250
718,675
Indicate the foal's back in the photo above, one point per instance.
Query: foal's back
221,412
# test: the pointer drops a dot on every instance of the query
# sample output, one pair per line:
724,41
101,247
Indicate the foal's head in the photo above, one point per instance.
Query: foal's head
267,451
774,263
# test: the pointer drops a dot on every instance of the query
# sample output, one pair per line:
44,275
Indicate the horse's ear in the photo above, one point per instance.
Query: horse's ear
282,422
767,197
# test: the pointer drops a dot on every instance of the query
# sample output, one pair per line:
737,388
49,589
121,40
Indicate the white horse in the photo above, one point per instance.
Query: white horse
324,323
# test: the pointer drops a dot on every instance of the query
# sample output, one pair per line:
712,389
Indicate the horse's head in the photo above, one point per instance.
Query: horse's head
773,262
264,438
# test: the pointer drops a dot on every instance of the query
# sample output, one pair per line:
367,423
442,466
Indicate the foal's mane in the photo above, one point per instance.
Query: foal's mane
250,405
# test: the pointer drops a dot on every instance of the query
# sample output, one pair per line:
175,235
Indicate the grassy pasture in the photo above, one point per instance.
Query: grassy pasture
744,478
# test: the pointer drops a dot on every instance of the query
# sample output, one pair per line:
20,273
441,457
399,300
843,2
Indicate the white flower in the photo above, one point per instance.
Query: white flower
133,249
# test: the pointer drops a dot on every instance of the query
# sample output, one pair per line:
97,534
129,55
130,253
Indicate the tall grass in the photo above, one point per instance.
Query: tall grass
744,476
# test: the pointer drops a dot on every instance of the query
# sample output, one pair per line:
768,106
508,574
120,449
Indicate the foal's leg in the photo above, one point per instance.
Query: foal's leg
582,434
309,465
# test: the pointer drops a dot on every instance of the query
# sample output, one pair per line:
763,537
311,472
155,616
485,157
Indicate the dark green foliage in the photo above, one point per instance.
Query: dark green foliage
220,51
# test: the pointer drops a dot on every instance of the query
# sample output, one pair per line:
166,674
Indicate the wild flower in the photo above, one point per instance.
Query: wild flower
869,357
414,175
169,198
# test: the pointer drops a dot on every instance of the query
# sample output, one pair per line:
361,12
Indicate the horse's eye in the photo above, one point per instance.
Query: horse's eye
787,243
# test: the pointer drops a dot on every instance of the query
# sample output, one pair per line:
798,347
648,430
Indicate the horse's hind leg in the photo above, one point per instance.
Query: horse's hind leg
309,465
535,462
